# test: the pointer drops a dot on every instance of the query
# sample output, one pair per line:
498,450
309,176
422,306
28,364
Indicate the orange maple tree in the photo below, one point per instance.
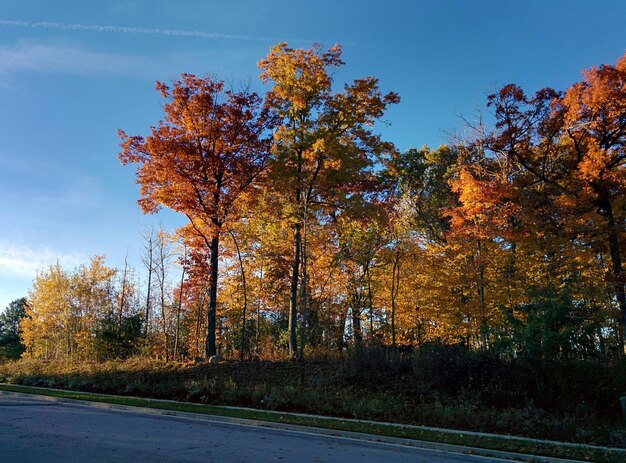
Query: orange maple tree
200,160
570,149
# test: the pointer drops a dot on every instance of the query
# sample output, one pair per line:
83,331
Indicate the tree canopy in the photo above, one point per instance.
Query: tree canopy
321,235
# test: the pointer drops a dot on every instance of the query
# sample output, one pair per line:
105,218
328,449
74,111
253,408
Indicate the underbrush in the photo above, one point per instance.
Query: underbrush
438,386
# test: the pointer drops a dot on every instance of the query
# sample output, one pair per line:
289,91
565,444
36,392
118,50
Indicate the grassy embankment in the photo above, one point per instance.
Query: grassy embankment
442,387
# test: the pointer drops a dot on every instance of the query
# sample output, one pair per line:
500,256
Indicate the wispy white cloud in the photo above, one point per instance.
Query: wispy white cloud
135,30
28,56
19,261
48,187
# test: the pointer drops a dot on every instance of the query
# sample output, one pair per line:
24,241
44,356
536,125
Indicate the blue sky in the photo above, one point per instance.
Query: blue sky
72,72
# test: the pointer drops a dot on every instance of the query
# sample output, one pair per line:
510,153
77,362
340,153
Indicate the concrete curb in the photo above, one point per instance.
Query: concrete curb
354,436
441,430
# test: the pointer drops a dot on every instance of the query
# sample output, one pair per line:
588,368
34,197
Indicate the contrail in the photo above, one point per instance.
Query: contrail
133,30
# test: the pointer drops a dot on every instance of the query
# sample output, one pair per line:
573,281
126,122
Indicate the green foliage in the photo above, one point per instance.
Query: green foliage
551,326
11,346
421,178
118,339
235,338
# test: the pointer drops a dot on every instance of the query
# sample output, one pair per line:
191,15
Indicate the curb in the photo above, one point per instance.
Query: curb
349,435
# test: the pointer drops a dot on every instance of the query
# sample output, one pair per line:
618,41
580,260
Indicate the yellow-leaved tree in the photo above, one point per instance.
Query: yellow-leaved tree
65,308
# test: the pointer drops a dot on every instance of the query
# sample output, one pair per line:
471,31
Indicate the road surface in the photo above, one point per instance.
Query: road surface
33,430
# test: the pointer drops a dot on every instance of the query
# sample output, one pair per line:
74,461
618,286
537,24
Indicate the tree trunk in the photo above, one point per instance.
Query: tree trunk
418,326
199,318
357,300
258,315
616,267
297,243
162,277
343,318
123,295
150,270
303,309
370,303
304,281
178,309
211,349
242,348
166,338
395,284
293,308
328,325
480,287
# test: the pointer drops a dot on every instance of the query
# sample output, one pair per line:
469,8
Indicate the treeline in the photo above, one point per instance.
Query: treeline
310,233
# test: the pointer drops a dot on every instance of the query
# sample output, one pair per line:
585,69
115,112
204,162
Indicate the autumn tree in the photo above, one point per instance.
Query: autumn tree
46,330
420,195
574,146
94,296
324,143
594,115
65,310
200,160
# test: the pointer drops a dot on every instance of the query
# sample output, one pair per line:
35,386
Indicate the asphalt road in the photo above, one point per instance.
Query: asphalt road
34,430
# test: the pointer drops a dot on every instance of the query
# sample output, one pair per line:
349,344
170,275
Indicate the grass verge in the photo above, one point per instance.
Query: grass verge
493,442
